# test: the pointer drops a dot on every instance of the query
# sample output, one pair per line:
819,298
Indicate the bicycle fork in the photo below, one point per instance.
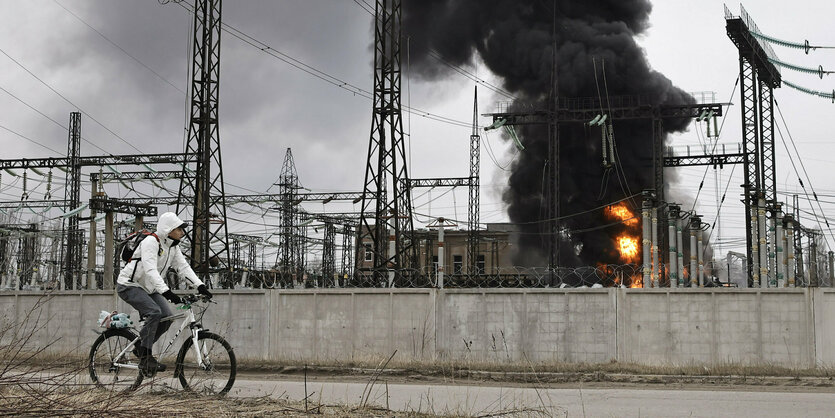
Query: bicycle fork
197,349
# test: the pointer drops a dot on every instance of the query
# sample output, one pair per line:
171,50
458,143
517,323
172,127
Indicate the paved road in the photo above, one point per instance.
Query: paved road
570,402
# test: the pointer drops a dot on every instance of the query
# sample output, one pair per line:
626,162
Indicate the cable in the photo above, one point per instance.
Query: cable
802,166
29,139
805,45
324,76
713,150
830,96
820,72
49,118
119,47
68,100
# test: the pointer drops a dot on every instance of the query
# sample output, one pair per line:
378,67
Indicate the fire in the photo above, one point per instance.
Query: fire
627,243
620,211
628,247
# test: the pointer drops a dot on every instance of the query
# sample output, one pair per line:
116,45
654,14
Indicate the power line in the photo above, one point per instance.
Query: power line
49,118
120,48
68,100
780,112
324,76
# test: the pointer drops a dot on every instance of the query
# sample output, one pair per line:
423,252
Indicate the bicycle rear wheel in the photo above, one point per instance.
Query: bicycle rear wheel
109,372
217,375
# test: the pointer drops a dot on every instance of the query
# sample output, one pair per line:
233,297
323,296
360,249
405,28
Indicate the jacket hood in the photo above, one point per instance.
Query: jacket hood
168,221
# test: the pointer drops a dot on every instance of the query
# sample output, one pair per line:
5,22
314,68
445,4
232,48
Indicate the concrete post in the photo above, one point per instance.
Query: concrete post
107,280
680,249
646,241
655,280
763,239
91,249
772,249
392,251
440,253
788,224
755,247
701,257
780,245
694,267
672,270
138,223
813,262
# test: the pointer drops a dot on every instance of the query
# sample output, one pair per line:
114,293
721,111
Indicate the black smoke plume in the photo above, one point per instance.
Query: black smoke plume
516,38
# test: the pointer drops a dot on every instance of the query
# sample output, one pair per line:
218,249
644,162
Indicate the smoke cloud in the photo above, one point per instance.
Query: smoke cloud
516,40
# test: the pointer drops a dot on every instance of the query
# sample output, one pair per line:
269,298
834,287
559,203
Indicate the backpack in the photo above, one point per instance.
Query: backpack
131,243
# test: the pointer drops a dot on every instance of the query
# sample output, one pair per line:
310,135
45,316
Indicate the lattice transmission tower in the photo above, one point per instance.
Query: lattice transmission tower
386,198
72,197
204,191
290,258
474,193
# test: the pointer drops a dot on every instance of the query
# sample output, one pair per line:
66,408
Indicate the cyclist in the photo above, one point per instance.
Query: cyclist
140,284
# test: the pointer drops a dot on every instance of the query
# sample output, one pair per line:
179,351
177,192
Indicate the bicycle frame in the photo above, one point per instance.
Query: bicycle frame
188,319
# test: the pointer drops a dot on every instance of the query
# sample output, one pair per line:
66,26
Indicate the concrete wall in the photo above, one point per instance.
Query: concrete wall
788,327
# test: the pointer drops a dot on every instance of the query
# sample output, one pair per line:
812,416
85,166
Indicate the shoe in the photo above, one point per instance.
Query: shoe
149,365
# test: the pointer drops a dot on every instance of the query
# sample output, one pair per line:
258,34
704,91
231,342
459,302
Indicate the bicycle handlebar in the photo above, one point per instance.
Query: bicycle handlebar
191,298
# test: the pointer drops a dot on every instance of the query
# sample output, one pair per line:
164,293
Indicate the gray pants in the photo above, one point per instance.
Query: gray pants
152,307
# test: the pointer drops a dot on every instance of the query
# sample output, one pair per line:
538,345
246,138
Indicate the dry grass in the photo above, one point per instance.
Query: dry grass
515,370
86,402
36,382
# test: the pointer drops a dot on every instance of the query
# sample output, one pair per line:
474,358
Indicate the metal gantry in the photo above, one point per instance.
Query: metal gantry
758,77
204,192
386,201
583,110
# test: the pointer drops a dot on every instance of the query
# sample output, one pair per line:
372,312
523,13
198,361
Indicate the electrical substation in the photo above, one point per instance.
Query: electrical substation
381,246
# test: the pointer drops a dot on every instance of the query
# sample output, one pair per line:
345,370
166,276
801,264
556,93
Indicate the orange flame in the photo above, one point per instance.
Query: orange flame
628,247
621,212
637,281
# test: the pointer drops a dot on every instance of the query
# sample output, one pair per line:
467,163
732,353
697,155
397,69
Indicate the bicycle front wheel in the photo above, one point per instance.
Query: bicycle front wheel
111,365
217,373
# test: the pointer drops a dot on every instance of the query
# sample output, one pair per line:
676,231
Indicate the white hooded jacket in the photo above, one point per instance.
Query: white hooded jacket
151,259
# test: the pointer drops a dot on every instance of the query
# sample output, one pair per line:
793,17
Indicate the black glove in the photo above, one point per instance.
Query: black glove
173,298
204,291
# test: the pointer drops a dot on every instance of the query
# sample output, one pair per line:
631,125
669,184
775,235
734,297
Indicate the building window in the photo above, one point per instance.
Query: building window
480,264
457,264
368,254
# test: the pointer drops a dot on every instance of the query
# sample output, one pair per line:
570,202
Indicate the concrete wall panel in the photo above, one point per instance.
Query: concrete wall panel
788,327
296,326
824,327
413,325
737,328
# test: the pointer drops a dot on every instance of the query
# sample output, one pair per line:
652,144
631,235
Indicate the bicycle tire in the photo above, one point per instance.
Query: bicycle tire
219,377
103,371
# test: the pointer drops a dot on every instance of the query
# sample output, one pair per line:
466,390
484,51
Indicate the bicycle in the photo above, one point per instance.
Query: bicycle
210,370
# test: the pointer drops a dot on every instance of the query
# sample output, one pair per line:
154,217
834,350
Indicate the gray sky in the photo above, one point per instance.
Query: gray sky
267,105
